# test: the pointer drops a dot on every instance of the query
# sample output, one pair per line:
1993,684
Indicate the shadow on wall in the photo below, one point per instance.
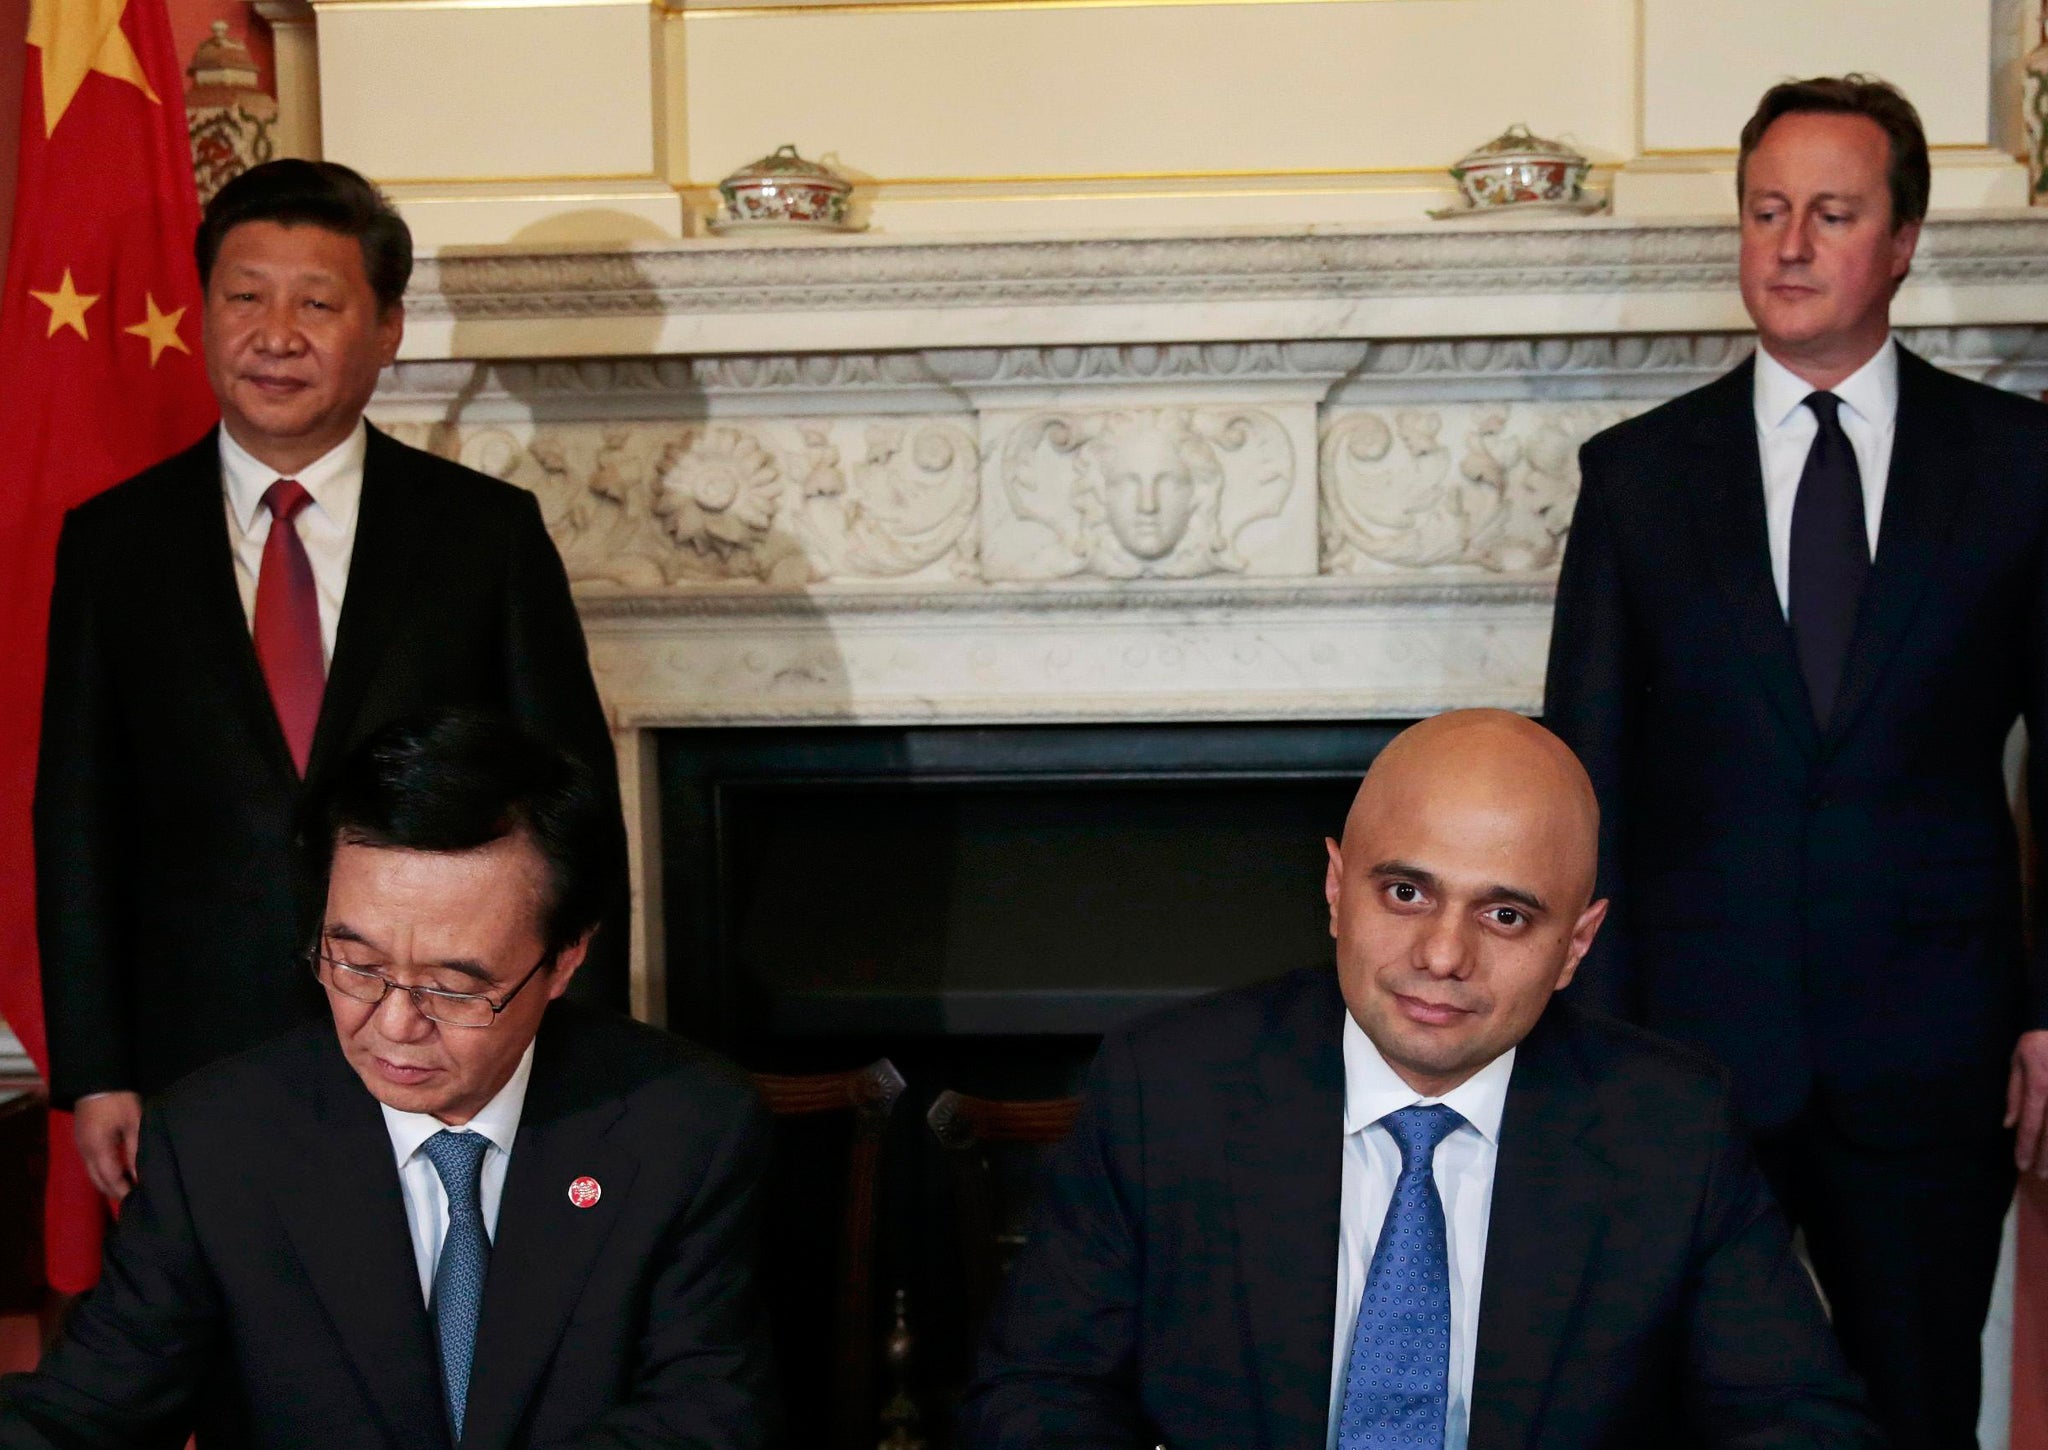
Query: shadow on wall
680,515
655,492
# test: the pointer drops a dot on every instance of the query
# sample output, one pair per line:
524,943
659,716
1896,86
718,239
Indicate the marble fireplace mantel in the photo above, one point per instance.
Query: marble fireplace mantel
1321,475
1469,278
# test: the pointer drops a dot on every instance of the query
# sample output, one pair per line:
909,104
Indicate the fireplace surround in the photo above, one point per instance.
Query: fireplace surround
1318,475
1054,520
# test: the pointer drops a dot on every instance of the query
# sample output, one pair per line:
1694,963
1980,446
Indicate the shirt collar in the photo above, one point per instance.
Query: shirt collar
498,1120
1372,1089
334,480
1871,392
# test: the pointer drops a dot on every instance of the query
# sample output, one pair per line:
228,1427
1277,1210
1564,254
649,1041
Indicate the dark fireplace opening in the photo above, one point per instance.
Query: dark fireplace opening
977,905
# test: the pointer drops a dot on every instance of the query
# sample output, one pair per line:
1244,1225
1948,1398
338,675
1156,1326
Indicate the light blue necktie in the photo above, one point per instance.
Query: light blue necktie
458,1295
1397,1384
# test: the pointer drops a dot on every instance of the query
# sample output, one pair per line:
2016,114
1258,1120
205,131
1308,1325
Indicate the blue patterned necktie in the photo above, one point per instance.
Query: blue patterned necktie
465,1254
1397,1384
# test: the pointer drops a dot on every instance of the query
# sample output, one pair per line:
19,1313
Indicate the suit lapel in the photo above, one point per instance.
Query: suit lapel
338,1194
391,534
1286,1172
1728,501
197,598
1923,497
545,1244
1547,1220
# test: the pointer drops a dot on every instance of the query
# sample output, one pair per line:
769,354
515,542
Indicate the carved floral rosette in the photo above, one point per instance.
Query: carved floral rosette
650,507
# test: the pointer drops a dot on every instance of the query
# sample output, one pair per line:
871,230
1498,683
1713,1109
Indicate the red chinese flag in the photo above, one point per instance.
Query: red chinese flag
100,376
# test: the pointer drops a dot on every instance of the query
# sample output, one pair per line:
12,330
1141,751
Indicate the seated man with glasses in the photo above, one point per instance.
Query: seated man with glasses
463,1212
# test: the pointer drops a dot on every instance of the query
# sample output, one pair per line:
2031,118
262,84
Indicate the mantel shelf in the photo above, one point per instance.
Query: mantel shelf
1547,276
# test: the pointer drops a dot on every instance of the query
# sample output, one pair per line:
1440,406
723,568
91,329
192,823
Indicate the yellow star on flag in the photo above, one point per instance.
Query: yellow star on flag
161,329
77,37
67,306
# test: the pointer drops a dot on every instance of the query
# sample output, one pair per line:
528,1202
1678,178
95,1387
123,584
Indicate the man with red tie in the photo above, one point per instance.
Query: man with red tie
227,624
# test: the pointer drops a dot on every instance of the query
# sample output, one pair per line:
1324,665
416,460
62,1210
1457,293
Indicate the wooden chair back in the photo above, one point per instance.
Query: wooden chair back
989,1218
820,1246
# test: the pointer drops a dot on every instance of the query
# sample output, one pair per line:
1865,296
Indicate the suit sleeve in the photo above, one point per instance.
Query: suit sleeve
1592,698
550,689
1762,1369
703,1378
128,1367
79,829
1058,1368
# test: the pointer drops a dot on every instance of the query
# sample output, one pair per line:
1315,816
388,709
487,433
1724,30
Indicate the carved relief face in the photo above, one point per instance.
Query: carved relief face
1149,491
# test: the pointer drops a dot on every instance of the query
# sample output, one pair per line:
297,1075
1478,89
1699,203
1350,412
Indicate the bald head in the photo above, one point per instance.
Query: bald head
1480,764
1461,897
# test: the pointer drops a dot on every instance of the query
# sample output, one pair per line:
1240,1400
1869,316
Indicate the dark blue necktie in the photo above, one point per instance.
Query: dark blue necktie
1830,556
1397,1384
465,1254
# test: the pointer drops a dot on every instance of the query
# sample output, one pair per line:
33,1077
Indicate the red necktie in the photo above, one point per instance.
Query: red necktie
288,622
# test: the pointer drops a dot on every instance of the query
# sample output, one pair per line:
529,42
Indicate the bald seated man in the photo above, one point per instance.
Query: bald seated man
1416,1203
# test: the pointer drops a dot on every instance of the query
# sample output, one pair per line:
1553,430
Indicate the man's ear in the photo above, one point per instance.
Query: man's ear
1583,931
566,962
1333,879
390,332
1905,239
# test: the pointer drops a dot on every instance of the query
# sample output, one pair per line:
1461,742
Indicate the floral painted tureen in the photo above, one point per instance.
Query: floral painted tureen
782,191
1516,168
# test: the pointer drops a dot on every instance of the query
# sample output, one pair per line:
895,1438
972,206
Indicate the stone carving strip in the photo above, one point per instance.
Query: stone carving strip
1472,488
1409,262
1635,365
654,507
1446,460
1042,368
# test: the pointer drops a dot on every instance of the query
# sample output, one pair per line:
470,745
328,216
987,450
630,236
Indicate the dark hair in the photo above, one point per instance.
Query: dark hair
319,194
1852,95
457,780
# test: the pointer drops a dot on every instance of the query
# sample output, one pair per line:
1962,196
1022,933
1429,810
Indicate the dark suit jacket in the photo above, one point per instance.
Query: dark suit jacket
1179,1282
167,908
261,1284
1833,915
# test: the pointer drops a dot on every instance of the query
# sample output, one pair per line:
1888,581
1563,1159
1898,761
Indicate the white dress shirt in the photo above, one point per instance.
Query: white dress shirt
1785,431
327,525
1463,1168
426,1201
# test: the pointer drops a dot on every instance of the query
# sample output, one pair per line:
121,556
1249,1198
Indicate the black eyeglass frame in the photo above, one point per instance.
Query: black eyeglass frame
320,958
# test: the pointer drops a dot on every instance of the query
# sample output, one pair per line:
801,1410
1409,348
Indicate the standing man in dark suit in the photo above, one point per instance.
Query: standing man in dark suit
1800,611
1416,1204
224,627
461,1210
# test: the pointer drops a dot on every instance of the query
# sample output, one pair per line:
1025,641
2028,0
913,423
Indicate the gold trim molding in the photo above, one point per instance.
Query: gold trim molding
760,9
352,6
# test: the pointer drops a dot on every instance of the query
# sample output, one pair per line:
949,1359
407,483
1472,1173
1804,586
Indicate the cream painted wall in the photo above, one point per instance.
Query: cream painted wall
448,93
1700,85
1404,84
585,121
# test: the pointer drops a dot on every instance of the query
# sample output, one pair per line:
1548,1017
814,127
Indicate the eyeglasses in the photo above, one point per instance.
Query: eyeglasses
450,1009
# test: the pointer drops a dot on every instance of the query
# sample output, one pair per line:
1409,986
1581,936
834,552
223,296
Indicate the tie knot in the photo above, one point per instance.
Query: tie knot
1826,408
459,1159
1418,1129
285,498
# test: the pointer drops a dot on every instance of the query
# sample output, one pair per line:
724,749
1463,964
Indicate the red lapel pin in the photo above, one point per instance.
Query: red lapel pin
585,1192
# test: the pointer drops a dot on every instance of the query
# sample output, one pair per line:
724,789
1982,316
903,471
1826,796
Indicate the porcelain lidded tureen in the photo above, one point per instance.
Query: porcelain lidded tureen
784,192
1518,169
